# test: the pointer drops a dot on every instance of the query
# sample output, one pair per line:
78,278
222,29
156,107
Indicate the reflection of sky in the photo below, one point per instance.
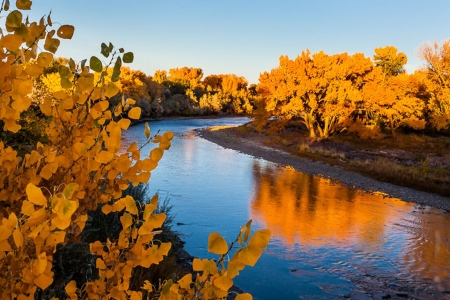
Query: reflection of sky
325,231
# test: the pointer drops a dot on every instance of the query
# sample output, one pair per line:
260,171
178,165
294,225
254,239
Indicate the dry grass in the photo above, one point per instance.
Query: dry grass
417,161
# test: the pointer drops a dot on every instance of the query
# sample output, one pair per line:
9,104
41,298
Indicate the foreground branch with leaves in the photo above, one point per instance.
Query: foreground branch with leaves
47,192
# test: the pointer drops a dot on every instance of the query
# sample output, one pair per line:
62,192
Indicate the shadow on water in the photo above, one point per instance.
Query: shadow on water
328,241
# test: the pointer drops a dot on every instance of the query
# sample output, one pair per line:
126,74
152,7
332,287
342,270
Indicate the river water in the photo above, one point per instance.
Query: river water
328,241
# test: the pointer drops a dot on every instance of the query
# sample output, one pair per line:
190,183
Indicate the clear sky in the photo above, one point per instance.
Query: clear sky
244,37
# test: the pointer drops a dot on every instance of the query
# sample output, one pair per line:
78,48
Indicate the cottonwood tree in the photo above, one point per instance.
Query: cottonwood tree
321,90
437,70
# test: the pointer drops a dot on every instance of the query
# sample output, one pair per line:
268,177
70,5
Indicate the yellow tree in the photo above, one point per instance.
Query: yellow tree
394,100
322,90
437,59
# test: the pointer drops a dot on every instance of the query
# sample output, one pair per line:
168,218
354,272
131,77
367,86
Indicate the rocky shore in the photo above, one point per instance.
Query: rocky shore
254,146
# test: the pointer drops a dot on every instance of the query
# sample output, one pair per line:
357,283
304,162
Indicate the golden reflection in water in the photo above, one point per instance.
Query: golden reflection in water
303,209
316,212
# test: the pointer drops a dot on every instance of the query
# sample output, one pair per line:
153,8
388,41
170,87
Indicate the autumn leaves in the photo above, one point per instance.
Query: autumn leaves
331,93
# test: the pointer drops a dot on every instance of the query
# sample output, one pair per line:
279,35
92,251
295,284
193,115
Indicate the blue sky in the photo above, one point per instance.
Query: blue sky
244,37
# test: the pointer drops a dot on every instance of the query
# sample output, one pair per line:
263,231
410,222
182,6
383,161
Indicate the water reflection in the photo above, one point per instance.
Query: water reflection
316,213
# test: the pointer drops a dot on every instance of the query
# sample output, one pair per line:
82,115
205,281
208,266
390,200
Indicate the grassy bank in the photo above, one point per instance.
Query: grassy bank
416,161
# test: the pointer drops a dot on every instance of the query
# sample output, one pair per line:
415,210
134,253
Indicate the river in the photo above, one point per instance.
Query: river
328,241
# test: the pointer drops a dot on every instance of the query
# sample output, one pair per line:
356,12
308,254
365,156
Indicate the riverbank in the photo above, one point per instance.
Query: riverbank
256,144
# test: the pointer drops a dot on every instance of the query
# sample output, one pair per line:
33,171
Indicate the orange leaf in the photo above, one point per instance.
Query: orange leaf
130,204
260,238
244,296
134,113
43,281
217,244
35,195
223,282
100,264
156,154
104,157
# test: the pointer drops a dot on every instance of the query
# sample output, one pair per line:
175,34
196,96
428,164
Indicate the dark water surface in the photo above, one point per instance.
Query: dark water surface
328,241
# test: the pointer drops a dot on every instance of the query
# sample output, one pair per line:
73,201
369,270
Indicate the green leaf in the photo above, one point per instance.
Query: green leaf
128,57
105,50
95,64
69,190
14,19
72,65
121,50
116,70
217,244
66,83
64,71
110,47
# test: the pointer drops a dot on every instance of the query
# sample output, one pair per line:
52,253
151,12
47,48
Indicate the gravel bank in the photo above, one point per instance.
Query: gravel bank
351,179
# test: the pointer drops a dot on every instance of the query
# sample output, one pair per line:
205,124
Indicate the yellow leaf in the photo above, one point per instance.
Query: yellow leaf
186,281
126,220
70,189
12,42
43,281
41,263
80,148
111,90
234,266
5,232
157,219
144,177
147,164
132,147
156,154
106,209
34,70
119,205
223,282
44,59
67,209
4,246
130,101
71,288
124,123
198,265
260,238
217,244
244,296
134,113
18,238
130,204
35,195
249,255
104,157
147,130
146,228
100,264
167,136
148,210
60,223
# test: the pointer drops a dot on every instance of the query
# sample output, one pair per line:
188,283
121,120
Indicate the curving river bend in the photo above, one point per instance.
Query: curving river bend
328,241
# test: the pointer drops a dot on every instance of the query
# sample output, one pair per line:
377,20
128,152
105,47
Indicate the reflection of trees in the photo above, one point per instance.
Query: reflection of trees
305,209
299,208
427,252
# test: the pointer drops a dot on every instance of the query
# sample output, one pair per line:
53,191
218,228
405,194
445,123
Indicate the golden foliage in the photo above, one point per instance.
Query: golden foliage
45,195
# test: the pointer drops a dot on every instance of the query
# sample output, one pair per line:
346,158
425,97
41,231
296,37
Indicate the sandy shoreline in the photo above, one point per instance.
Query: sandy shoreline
348,178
